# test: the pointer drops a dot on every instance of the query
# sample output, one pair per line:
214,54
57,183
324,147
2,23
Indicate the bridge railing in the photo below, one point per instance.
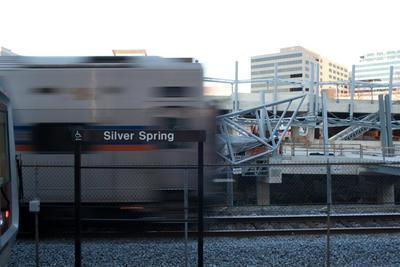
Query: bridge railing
359,151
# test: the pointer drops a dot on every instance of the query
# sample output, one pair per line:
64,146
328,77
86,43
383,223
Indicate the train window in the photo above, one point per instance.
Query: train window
173,91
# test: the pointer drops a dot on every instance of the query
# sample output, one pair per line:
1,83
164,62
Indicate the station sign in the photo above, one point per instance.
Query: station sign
134,136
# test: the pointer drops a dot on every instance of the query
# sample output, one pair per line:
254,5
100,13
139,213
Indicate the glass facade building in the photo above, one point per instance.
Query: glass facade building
375,67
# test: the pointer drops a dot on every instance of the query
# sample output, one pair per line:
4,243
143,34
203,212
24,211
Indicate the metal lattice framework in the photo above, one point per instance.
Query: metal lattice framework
236,139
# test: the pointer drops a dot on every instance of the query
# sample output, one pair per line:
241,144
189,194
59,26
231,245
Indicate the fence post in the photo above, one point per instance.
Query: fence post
36,174
20,178
200,181
186,209
328,213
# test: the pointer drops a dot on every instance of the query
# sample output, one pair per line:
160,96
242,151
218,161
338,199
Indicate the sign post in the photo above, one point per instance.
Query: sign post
200,217
145,136
77,192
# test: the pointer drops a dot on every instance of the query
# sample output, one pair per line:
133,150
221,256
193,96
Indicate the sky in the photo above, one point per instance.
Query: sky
217,33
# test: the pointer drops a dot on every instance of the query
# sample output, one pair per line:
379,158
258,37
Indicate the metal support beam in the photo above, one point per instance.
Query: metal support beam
317,91
352,89
389,132
382,123
275,96
262,116
325,121
236,92
311,107
390,89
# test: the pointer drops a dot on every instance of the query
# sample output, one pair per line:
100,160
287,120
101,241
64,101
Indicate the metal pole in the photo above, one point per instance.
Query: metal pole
275,96
186,207
77,190
233,97
229,188
325,121
200,222
382,124
311,90
390,89
262,115
328,213
36,173
37,238
20,179
236,96
352,89
372,95
389,131
317,90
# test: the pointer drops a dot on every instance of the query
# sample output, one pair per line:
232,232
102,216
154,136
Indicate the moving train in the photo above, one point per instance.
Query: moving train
9,212
51,96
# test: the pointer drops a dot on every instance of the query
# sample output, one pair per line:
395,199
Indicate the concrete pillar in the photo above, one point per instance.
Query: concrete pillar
294,134
310,135
263,191
297,138
386,193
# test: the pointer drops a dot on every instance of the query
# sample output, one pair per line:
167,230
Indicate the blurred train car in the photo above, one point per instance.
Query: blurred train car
53,95
9,213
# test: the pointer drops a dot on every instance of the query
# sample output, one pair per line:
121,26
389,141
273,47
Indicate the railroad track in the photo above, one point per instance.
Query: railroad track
303,224
245,225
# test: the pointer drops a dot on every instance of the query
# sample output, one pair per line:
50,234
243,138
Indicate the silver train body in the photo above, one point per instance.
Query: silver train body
51,96
9,212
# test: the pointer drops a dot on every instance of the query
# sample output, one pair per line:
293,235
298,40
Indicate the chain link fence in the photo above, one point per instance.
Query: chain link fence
295,194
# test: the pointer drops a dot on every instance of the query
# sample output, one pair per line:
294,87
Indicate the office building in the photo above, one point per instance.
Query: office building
375,67
294,63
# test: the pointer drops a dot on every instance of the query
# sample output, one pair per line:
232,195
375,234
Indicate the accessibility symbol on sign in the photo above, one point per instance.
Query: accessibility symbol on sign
78,136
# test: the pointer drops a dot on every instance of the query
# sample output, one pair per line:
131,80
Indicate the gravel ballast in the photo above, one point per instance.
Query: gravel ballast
347,250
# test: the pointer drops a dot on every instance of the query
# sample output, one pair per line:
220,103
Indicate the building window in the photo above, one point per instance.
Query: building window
292,62
297,75
276,57
273,70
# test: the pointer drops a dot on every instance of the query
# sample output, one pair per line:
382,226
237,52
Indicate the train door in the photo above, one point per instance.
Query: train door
8,182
